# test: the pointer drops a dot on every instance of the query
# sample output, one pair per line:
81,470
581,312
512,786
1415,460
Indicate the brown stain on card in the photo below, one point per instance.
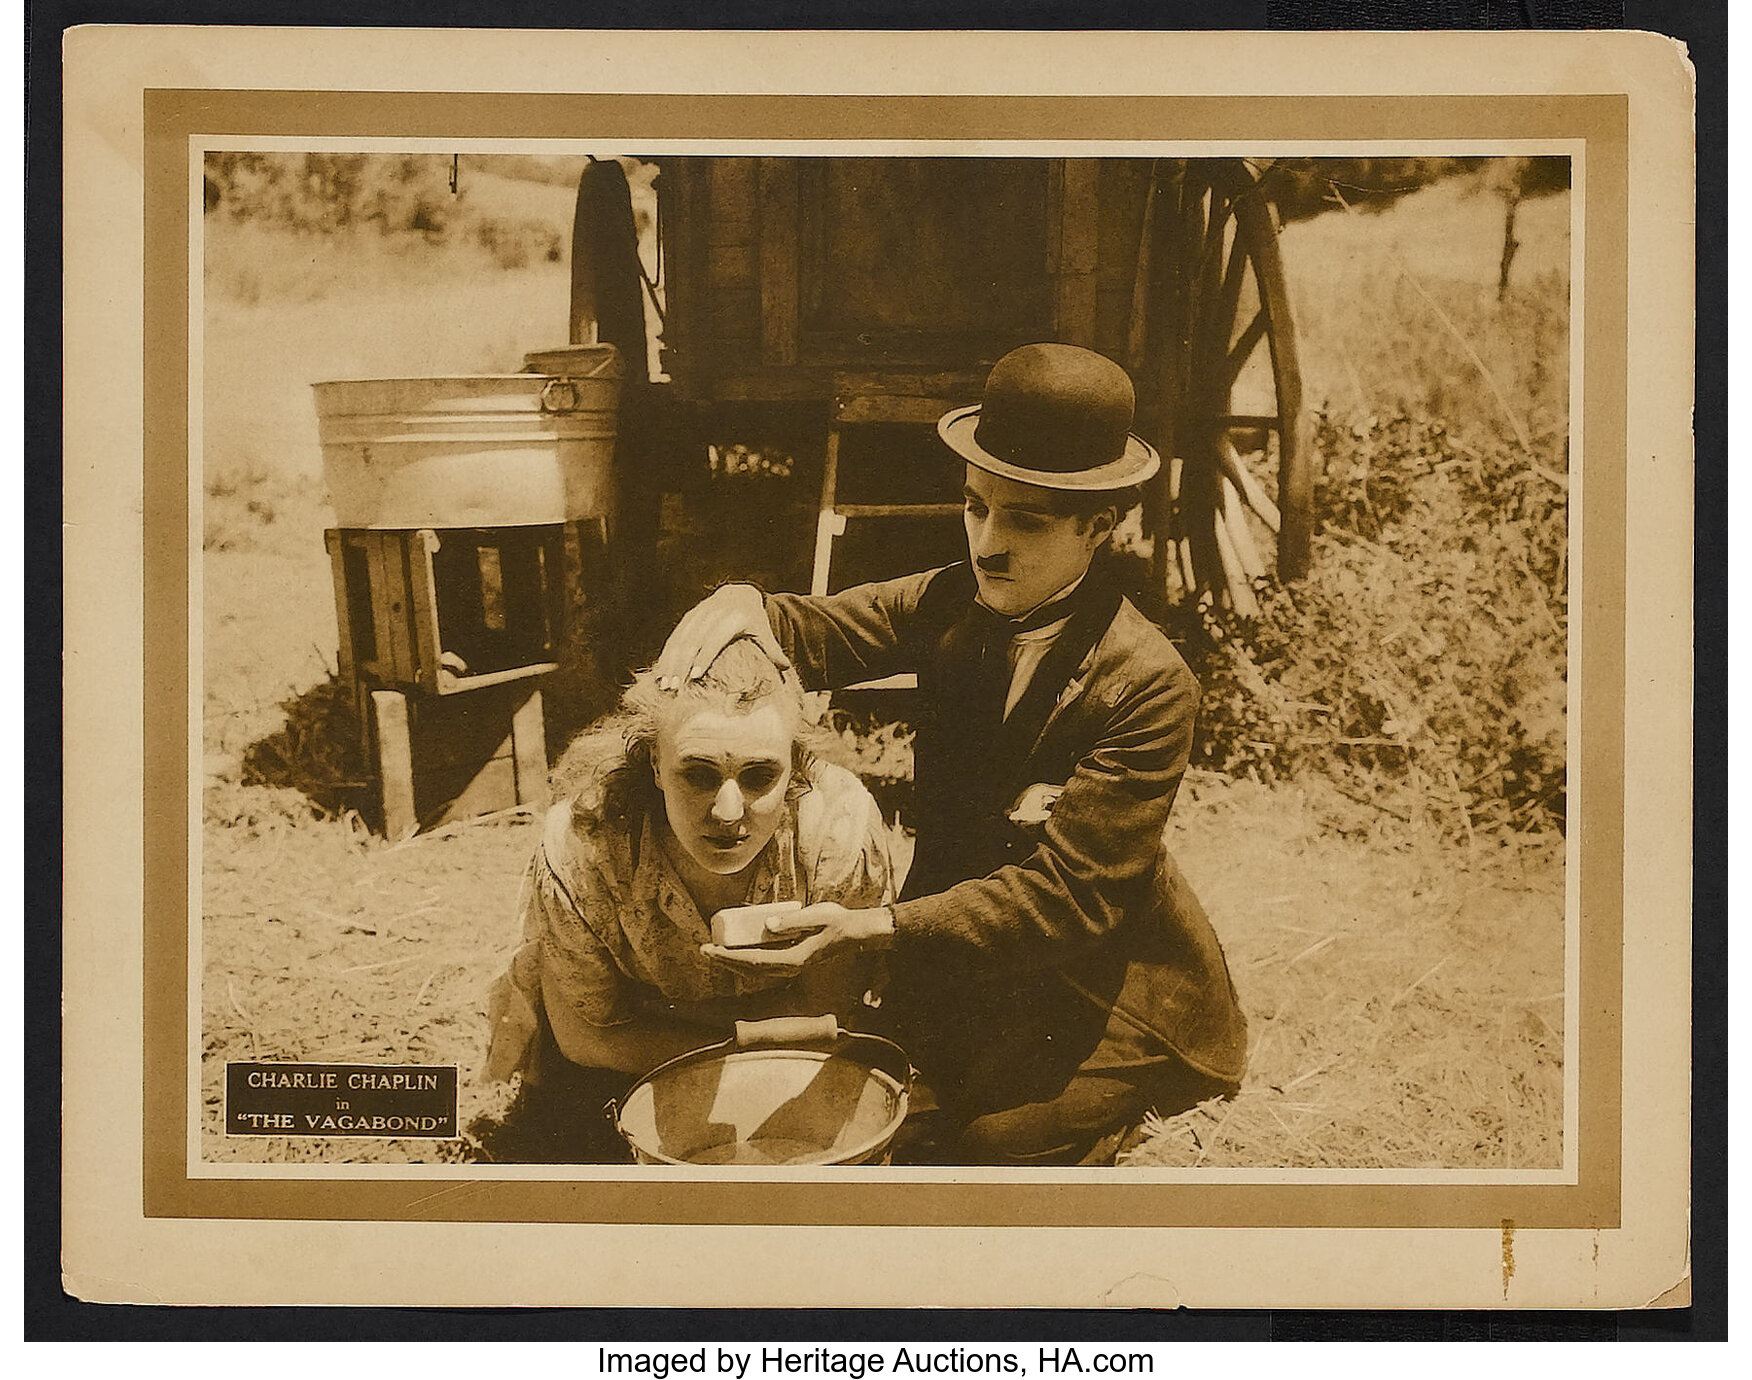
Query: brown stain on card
1508,1254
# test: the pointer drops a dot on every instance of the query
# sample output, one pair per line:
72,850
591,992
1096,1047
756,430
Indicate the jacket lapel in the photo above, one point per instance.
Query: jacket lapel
1063,667
1073,691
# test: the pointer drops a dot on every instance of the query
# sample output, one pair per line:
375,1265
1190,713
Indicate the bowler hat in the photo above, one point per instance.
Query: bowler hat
1057,417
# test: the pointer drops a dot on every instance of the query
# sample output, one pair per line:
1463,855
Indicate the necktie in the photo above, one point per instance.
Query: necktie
967,752
988,680
988,685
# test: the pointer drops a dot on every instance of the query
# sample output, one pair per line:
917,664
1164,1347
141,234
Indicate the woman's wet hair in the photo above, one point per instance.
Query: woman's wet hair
741,676
607,769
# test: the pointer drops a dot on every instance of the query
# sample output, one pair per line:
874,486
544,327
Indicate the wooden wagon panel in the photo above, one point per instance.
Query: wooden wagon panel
732,233
786,271
1121,192
779,212
857,287
908,257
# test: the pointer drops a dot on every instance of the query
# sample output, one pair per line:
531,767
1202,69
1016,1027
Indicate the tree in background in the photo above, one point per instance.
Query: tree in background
1514,180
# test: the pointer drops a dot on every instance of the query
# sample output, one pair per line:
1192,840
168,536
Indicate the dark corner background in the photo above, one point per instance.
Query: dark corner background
52,1315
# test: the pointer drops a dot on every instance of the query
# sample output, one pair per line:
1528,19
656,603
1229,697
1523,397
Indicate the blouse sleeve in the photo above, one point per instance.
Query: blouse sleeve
843,842
567,904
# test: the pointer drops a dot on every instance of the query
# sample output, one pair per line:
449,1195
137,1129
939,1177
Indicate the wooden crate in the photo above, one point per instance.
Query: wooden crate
442,636
449,611
442,758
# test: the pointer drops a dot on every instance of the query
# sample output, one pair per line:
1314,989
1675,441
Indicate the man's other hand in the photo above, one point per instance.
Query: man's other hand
711,625
823,930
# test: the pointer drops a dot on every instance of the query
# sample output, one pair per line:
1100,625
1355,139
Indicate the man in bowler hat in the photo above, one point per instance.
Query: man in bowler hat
1051,974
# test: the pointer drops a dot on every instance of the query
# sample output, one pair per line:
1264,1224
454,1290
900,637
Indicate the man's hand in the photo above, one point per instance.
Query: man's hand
1034,805
710,626
824,930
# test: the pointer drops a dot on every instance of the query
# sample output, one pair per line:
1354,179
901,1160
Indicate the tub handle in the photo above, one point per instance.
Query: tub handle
787,1030
559,395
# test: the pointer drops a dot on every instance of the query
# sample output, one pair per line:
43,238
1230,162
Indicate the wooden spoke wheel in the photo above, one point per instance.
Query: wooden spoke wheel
1220,388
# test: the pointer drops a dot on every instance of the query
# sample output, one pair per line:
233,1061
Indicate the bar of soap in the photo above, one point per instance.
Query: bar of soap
742,927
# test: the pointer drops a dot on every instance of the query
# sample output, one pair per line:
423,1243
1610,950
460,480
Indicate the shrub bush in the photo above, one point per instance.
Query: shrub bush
1423,664
325,192
519,243
406,197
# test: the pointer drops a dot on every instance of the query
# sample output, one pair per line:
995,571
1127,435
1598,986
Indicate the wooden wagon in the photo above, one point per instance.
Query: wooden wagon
844,303
831,308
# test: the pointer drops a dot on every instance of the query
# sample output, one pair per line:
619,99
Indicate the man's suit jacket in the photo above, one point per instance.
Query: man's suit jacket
1073,945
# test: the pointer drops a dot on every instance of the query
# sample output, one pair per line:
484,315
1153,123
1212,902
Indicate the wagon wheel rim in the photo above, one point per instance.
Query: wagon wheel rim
1219,315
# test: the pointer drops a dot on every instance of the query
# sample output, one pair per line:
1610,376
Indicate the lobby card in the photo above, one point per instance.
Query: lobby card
441,372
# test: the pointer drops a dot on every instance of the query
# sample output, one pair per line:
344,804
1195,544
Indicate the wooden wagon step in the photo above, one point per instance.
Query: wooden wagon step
878,400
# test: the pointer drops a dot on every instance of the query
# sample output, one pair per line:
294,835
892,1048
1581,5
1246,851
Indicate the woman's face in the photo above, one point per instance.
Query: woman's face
723,777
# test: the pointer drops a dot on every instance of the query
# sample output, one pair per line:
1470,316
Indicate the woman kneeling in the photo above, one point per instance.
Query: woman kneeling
681,804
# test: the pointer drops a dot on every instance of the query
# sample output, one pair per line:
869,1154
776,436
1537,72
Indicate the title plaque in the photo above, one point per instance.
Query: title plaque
339,1100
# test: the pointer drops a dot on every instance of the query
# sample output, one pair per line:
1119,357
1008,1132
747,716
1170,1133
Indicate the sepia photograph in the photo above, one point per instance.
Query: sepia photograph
717,670
497,449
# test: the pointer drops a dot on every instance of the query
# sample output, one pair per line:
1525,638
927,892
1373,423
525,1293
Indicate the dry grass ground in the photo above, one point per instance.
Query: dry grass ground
1404,1004
323,943
1397,311
1403,993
